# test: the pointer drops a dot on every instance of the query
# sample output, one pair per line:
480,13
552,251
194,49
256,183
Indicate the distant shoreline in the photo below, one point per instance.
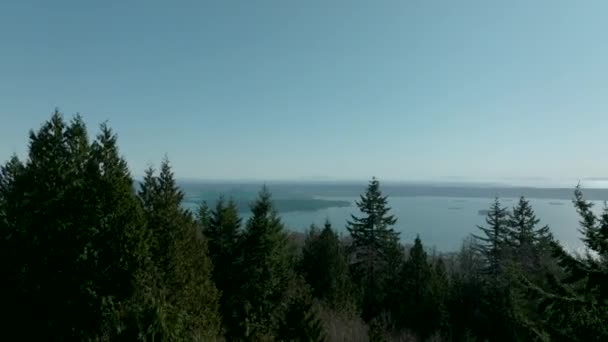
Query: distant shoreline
282,205
332,189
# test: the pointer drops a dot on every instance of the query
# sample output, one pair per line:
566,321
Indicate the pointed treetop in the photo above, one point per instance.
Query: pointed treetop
327,224
203,214
9,171
263,204
417,251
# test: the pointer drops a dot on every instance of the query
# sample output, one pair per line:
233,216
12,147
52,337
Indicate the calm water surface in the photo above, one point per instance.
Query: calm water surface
443,222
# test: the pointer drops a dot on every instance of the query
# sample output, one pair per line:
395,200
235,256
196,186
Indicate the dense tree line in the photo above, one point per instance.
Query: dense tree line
87,254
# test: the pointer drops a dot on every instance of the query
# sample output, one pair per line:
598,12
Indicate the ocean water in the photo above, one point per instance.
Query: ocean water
443,215
443,222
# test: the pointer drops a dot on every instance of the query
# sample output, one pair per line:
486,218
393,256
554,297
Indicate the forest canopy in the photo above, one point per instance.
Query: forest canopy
89,254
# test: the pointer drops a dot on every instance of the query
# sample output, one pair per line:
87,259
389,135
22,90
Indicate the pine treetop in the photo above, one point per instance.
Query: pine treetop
374,229
494,237
522,227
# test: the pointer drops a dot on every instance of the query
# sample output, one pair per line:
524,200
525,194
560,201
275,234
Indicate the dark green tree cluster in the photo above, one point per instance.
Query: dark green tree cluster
574,305
185,292
422,294
73,236
325,268
397,293
88,258
262,297
511,282
222,228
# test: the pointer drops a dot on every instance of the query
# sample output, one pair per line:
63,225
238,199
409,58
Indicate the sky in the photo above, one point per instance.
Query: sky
318,89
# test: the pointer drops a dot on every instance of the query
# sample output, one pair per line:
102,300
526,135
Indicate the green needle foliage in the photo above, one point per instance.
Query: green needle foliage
324,267
424,289
264,272
373,239
490,244
73,239
527,242
575,307
222,228
188,299
86,256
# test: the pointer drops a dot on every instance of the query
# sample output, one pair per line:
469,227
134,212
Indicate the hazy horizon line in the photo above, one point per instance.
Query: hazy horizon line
524,182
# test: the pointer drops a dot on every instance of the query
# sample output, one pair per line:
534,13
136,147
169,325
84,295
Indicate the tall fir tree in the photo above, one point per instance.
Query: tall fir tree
203,215
222,228
72,228
300,321
373,238
12,244
188,297
123,231
522,226
526,240
529,257
420,303
440,288
493,239
575,307
265,272
223,232
497,303
325,268
465,300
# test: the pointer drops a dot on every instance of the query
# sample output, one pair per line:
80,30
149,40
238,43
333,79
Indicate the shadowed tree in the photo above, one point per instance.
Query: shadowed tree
222,227
527,241
188,299
491,244
421,300
325,268
575,307
265,272
72,229
301,320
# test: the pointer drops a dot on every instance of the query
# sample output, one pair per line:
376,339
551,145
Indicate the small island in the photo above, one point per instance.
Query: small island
483,212
291,205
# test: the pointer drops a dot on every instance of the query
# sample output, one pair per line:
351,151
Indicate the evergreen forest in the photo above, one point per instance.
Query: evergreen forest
89,254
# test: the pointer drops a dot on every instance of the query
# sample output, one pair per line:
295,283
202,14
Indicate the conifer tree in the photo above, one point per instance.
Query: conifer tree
301,321
525,239
12,243
575,308
419,309
522,226
203,215
498,303
465,300
72,228
373,238
529,257
123,237
223,233
440,288
265,272
491,244
189,299
325,268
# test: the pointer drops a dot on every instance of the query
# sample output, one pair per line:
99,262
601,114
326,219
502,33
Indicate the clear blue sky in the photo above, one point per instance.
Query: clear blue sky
342,89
